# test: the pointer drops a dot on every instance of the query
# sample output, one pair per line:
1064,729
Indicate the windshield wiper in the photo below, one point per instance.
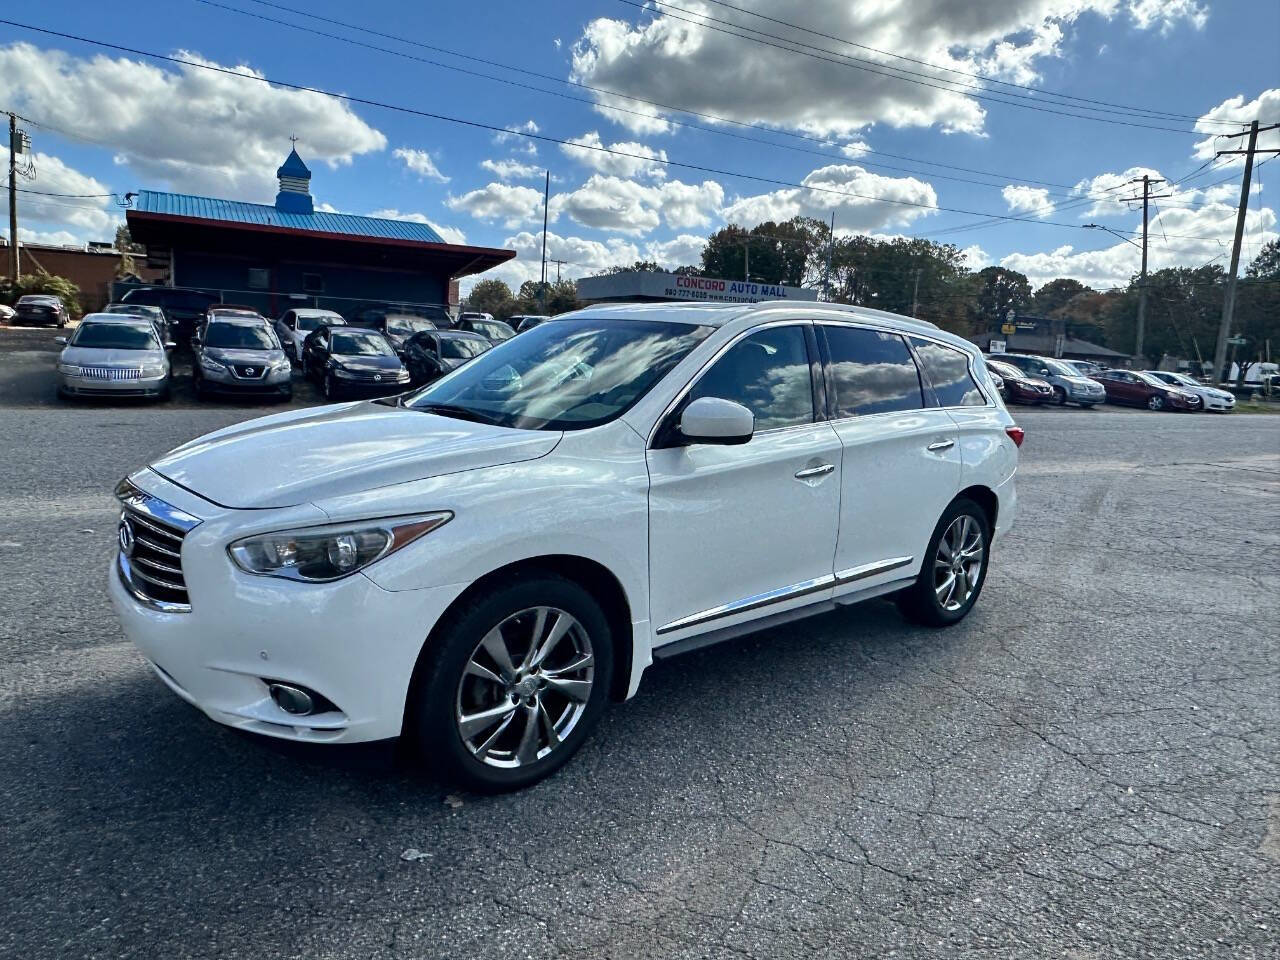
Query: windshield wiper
459,413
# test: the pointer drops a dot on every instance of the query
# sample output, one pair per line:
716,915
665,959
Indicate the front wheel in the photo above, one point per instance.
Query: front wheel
954,570
1155,403
513,683
1059,396
330,388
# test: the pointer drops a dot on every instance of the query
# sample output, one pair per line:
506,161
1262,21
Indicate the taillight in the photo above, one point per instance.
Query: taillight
1015,434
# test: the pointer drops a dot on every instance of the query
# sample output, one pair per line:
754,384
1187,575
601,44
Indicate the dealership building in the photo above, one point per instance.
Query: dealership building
287,254
645,286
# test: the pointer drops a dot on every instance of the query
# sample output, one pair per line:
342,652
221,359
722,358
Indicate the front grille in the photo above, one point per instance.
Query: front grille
111,373
150,559
248,371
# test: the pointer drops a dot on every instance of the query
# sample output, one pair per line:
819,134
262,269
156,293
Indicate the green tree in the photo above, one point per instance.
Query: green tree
127,248
492,296
42,282
1055,295
789,252
998,292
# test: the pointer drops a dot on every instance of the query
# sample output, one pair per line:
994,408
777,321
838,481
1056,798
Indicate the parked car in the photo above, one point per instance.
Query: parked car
183,308
1066,383
433,353
1211,398
495,331
481,565
369,315
1086,368
997,381
240,355
1140,390
399,327
522,322
154,314
38,309
1018,386
294,325
349,360
114,355
6,313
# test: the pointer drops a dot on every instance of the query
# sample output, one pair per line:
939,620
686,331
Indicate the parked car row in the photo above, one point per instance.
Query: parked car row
1029,379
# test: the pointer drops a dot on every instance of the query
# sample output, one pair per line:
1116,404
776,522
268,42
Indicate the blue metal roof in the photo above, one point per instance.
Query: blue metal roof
263,215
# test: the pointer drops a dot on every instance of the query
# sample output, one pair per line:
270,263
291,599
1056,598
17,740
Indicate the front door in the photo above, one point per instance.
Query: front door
738,532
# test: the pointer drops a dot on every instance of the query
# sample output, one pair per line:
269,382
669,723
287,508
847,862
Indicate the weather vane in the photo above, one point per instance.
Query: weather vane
294,141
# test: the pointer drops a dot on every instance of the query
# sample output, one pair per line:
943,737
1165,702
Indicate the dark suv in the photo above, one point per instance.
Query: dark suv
183,308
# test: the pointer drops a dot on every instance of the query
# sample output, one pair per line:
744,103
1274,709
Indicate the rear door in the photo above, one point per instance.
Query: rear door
739,532
901,463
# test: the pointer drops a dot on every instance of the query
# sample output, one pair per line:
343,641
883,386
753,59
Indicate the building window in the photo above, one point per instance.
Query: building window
259,278
312,283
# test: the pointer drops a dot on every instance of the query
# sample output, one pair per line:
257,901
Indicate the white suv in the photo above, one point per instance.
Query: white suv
482,564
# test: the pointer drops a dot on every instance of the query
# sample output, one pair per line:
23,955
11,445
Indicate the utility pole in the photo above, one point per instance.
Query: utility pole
1142,277
14,266
559,264
915,296
746,270
1220,369
542,288
831,246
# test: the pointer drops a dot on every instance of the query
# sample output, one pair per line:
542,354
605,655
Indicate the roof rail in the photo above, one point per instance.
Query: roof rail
844,308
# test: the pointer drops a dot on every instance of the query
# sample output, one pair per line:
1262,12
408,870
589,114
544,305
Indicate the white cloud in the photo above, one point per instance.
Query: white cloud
420,162
668,57
188,129
62,220
1266,106
513,205
511,169
1179,237
975,258
625,206
1032,200
836,185
448,234
1109,189
589,150
517,142
681,251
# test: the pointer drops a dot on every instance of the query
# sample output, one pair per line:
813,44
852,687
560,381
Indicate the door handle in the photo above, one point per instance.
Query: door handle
938,445
821,470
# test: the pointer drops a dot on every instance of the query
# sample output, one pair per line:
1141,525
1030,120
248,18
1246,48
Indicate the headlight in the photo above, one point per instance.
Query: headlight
340,371
402,376
281,365
153,369
70,369
208,363
320,554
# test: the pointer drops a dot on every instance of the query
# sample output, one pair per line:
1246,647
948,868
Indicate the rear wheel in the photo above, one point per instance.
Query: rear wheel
513,683
954,570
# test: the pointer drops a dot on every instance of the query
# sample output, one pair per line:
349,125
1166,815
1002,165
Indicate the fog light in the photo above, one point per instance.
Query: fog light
291,699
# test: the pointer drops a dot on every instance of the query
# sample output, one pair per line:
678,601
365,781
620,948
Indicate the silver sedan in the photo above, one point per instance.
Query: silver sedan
113,355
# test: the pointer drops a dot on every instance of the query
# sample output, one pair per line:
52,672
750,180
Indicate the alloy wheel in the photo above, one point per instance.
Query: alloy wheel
525,687
957,566
1155,403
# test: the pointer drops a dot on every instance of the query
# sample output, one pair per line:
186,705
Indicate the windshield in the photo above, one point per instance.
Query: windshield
1182,378
116,336
492,329
1005,370
245,336
1060,368
311,321
1153,381
564,376
461,348
353,344
407,326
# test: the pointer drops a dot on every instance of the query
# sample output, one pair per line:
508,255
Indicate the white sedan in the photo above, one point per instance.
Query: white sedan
483,564
1214,399
294,325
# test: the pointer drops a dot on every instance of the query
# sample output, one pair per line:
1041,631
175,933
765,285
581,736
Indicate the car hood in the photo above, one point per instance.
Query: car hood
1081,381
102,357
371,364
324,452
241,355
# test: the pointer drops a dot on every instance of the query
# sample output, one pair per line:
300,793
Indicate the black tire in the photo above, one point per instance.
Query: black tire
302,367
919,602
437,689
1059,396
1155,402
330,388
1086,406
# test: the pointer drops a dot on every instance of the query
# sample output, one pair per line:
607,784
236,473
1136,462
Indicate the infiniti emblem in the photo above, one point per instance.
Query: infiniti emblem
126,537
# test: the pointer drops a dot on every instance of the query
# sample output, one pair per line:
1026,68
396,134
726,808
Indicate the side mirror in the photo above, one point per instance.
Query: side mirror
60,340
713,420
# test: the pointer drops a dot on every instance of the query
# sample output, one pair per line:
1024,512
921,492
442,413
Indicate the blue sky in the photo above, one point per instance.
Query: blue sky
113,122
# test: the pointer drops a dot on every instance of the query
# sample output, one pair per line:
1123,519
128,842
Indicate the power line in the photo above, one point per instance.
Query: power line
713,118
1154,114
870,66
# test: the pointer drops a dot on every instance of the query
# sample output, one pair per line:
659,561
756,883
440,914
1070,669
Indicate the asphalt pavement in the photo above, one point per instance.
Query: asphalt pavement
1087,767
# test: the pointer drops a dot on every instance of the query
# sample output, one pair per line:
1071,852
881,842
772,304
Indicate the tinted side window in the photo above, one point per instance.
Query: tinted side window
871,372
768,373
948,371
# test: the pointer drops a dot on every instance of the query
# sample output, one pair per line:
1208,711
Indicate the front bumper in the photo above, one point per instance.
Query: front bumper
94,387
351,641
275,383
1078,394
1220,405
